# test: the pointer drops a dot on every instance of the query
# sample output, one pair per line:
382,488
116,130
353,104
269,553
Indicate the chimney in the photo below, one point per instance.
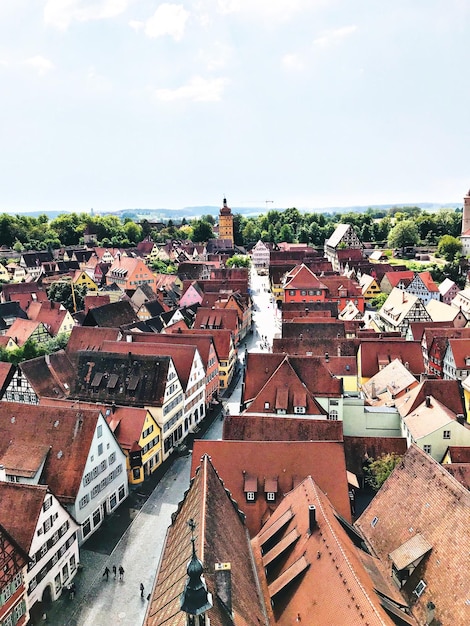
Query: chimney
428,401
3,474
312,518
460,418
373,391
223,584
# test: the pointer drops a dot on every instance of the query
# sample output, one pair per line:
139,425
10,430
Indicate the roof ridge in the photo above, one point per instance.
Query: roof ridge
338,543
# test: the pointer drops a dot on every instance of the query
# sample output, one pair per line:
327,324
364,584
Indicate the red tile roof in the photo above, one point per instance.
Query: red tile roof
220,538
447,392
421,496
290,461
222,340
90,338
332,581
374,355
59,435
279,428
21,330
20,507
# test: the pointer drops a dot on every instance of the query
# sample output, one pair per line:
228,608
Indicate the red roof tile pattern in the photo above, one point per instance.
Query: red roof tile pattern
330,582
280,428
290,461
374,355
312,371
21,330
61,435
90,338
20,507
51,314
51,376
421,496
447,392
220,538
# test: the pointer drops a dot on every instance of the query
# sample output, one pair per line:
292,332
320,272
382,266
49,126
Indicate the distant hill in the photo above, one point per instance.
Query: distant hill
193,212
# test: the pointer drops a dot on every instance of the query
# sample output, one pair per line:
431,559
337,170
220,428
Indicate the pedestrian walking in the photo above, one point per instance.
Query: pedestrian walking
114,571
121,572
106,572
141,590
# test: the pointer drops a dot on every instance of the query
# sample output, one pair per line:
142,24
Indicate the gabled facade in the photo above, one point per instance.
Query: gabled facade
46,532
129,273
369,286
140,438
343,238
456,362
399,310
53,315
424,287
82,277
72,450
22,330
13,559
260,255
301,285
448,290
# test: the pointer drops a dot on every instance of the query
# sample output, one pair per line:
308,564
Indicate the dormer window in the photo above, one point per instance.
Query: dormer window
299,409
270,489
271,496
266,405
419,589
250,496
250,487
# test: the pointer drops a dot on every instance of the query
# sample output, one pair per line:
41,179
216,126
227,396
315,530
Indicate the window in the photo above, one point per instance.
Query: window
65,573
446,434
299,409
99,430
100,449
333,415
250,496
374,522
292,292
266,405
112,458
97,517
121,492
270,496
427,448
86,528
420,587
47,503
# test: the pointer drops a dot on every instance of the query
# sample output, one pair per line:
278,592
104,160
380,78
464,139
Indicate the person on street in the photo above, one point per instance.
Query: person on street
114,571
106,572
121,572
141,590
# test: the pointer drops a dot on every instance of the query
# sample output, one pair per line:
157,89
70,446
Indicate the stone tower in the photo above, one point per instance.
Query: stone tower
466,213
226,223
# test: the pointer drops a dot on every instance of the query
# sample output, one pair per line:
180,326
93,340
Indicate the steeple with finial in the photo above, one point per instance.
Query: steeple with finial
226,223
195,600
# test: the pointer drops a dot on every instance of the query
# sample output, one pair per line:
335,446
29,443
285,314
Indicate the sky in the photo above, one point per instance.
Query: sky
124,104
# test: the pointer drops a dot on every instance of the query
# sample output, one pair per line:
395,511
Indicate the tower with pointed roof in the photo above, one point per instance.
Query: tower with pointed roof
226,222
195,600
466,214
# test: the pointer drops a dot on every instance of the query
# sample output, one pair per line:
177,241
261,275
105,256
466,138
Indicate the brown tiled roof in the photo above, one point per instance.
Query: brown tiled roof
202,342
223,318
418,329
405,276
316,345
447,392
10,291
111,315
330,582
428,281
222,339
127,424
220,538
64,431
51,314
290,461
21,330
90,338
106,377
313,329
20,507
375,354
182,355
311,370
460,351
282,390
302,277
6,374
460,471
459,454
51,376
421,496
280,428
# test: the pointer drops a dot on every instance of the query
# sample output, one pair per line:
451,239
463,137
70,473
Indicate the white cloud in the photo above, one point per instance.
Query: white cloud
332,37
60,13
168,19
40,64
292,62
280,10
197,90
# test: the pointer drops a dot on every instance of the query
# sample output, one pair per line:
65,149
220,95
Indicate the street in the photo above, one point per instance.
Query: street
134,536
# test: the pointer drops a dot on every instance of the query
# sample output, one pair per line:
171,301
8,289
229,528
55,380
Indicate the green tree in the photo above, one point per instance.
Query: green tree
202,231
239,260
379,300
378,470
403,234
61,291
448,247
133,232
286,234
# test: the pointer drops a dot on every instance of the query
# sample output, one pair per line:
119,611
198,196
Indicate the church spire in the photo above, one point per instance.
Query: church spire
195,599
